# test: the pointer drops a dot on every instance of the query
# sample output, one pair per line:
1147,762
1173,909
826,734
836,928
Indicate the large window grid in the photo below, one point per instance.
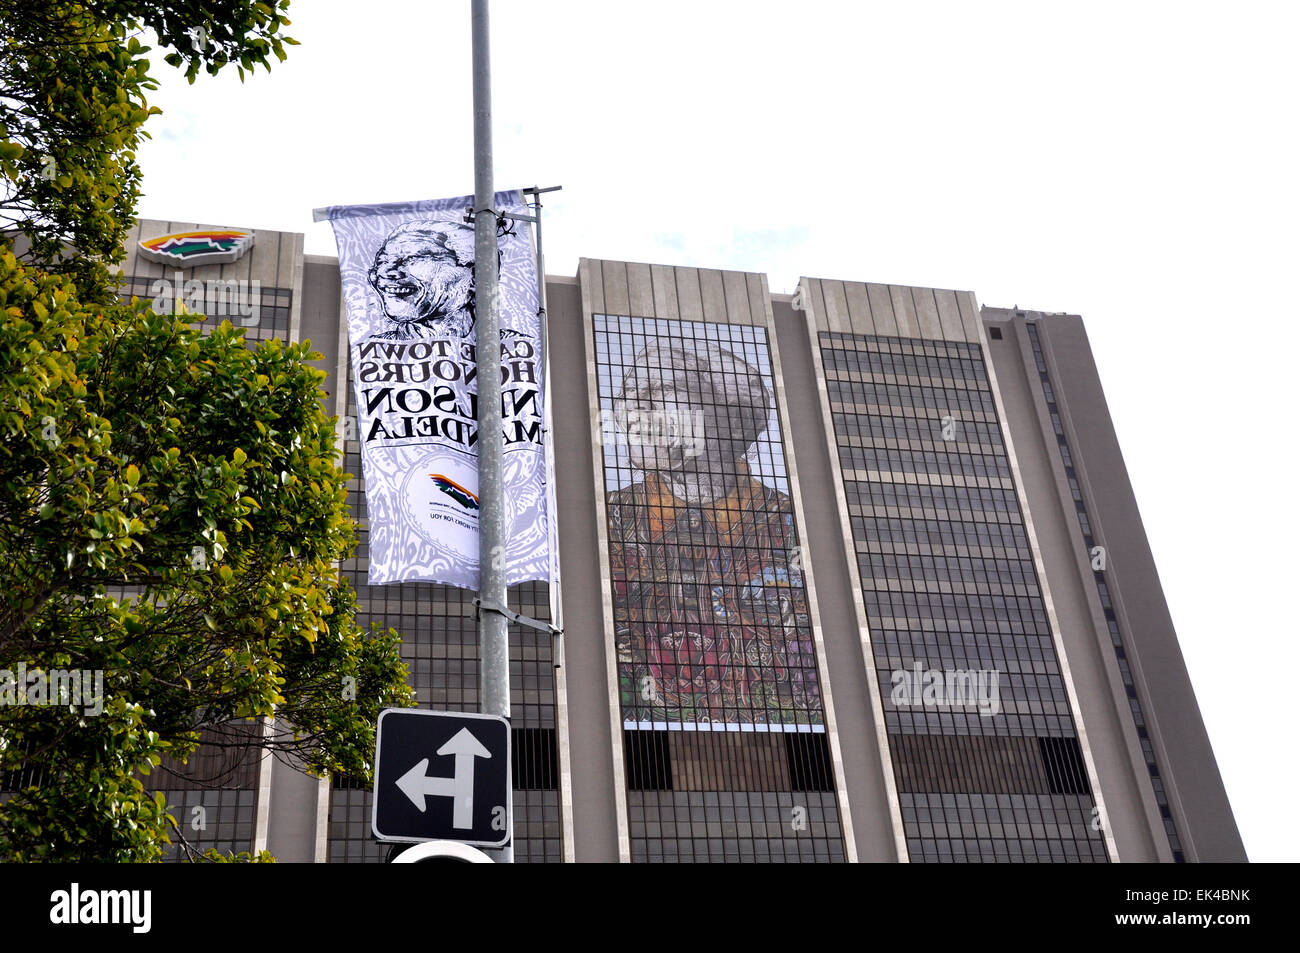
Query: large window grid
949,584
270,321
747,778
220,818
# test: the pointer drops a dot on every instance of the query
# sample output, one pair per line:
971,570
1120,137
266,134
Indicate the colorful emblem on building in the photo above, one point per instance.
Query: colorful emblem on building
217,246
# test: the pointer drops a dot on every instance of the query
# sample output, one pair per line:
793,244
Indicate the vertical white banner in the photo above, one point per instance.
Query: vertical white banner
408,283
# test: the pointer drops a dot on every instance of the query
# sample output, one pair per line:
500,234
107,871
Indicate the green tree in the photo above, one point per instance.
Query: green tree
73,79
171,506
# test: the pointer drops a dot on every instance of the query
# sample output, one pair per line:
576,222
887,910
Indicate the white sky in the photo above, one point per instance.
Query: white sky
1135,163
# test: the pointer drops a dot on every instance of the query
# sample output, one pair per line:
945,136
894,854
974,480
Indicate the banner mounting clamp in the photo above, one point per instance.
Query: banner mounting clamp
485,606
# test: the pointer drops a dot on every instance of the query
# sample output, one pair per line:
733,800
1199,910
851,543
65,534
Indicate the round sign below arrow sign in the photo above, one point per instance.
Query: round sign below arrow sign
442,851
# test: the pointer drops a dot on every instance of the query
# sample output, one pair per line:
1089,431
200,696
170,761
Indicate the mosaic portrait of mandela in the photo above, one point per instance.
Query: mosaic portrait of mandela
424,277
709,603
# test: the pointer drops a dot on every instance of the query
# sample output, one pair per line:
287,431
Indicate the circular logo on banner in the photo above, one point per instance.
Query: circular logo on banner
442,498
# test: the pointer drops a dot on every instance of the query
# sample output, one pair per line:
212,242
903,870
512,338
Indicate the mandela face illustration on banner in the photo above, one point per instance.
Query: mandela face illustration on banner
408,282
710,610
424,275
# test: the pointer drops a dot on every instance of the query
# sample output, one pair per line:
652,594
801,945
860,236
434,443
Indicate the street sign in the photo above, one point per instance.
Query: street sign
440,852
442,775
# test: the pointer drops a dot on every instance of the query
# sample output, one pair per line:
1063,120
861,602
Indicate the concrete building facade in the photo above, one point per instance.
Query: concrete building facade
904,610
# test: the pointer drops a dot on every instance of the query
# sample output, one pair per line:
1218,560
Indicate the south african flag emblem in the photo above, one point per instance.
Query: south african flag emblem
454,490
216,246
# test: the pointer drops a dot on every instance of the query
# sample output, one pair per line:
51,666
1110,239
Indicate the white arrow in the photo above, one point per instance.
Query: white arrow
417,786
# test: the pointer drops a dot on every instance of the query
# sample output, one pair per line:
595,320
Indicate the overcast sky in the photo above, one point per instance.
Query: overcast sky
1135,163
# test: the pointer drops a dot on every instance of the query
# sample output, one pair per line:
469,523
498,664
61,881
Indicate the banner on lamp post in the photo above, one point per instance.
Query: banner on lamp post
408,285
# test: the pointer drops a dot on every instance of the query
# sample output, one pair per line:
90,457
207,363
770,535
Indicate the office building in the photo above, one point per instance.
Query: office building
869,584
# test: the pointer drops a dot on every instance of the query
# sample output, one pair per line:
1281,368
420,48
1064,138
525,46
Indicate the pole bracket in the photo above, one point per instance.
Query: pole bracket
503,228
517,618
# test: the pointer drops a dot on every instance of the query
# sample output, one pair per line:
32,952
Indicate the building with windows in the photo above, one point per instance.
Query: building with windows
851,574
